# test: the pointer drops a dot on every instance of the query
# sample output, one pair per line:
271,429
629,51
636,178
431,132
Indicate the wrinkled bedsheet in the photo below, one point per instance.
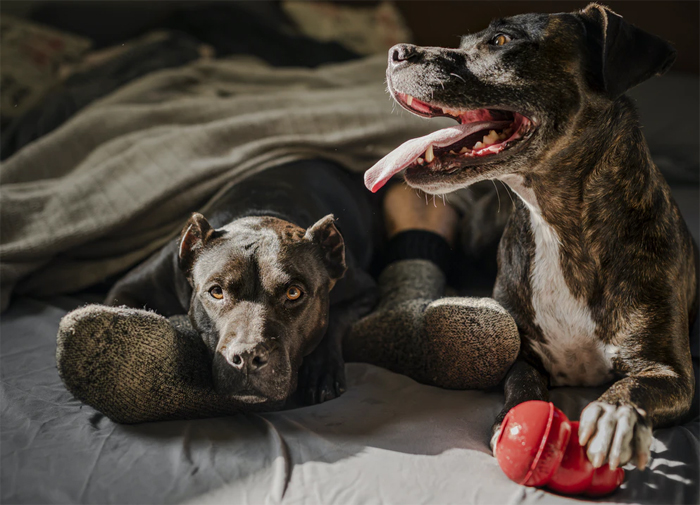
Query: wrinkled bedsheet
387,440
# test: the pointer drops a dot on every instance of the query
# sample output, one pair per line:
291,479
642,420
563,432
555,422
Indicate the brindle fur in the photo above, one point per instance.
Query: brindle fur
603,212
625,252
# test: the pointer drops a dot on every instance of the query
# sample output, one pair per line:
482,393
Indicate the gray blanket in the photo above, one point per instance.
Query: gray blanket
117,181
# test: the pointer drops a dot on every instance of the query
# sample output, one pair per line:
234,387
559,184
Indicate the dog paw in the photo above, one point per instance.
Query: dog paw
321,378
616,434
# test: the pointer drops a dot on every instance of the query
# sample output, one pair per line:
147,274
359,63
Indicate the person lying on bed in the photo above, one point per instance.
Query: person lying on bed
271,287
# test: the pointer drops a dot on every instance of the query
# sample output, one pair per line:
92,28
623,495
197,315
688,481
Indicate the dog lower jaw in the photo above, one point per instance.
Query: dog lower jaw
440,186
436,179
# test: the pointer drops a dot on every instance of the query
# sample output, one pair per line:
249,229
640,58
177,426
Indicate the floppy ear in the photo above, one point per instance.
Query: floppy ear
622,55
326,235
194,235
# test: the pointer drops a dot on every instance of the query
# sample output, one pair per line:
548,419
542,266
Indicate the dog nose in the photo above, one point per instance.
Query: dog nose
252,360
401,53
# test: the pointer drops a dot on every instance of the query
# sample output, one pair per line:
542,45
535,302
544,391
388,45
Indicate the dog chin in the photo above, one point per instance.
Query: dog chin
272,395
255,392
437,189
443,183
249,398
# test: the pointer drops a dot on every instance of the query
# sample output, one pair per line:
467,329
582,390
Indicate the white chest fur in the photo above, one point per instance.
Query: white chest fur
571,351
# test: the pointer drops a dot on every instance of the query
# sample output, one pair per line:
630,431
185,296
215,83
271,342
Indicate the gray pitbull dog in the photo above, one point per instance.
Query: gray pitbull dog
596,264
256,281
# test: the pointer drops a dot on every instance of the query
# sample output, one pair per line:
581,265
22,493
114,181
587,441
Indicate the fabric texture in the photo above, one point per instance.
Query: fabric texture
226,29
113,184
450,342
420,244
136,366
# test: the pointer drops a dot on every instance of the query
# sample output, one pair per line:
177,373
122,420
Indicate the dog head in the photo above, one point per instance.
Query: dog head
260,298
515,89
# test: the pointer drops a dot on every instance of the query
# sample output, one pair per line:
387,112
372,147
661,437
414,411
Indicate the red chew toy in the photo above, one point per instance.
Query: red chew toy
538,445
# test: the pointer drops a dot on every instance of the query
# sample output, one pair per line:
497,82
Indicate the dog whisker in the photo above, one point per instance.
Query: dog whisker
498,195
508,191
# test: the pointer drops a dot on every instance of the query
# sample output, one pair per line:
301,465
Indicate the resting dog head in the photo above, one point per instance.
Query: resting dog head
260,298
516,89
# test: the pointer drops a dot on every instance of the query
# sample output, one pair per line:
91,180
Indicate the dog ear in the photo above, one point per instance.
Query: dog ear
194,235
325,234
622,55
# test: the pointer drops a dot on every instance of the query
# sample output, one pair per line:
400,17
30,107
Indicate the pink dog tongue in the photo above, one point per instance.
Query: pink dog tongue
409,151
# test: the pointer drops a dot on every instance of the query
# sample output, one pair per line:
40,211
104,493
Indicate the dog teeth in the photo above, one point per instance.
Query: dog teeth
504,134
409,99
478,145
464,150
429,156
420,161
491,138
453,153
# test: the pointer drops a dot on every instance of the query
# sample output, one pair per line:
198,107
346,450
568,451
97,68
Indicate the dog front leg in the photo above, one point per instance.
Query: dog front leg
618,426
322,374
522,383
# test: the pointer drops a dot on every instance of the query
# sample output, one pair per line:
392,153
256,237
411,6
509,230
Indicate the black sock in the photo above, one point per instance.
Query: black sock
420,244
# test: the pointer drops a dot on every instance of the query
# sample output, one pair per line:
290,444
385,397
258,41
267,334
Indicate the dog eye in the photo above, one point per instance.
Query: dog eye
500,39
293,293
217,292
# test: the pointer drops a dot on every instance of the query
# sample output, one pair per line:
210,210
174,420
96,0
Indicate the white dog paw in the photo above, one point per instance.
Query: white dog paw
616,434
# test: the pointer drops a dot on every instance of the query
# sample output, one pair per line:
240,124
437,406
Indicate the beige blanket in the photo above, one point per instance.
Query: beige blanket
116,182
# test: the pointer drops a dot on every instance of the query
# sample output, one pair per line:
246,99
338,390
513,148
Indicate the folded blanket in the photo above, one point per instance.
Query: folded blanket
117,181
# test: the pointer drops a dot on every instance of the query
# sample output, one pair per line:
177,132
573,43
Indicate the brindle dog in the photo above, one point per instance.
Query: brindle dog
596,264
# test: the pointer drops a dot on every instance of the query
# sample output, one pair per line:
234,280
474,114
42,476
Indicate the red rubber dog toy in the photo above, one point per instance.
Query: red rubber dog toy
539,446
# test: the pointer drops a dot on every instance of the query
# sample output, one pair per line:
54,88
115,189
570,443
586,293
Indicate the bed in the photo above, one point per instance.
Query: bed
388,439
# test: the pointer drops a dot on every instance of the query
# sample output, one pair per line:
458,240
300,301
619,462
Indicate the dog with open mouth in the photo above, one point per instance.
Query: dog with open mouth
596,264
